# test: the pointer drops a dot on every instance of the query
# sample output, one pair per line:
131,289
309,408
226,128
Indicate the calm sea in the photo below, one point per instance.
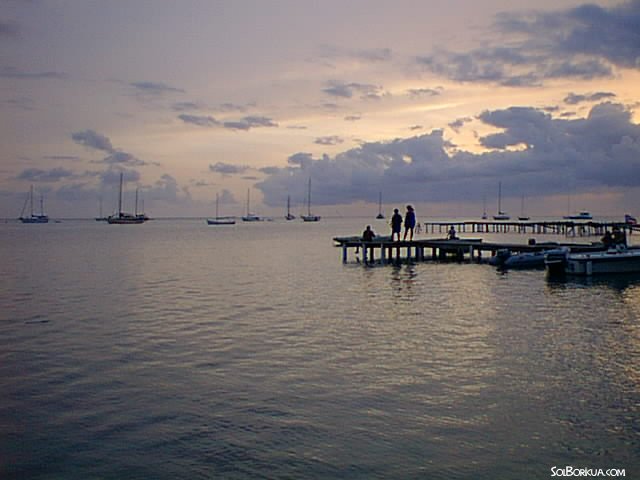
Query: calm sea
177,350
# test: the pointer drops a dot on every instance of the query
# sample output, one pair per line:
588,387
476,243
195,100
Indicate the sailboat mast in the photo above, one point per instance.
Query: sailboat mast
41,205
31,201
216,205
499,197
379,203
136,207
309,198
120,197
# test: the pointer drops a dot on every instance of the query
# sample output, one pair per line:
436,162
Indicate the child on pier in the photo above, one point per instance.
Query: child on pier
396,224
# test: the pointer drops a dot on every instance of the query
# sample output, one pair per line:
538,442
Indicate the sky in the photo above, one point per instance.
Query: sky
433,103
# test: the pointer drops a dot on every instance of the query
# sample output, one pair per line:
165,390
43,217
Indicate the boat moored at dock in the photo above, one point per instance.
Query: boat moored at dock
614,260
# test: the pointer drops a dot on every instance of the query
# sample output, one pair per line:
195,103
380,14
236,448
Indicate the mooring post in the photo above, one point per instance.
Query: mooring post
344,253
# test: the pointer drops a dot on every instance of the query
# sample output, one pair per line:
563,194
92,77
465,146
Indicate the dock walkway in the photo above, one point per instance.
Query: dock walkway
386,251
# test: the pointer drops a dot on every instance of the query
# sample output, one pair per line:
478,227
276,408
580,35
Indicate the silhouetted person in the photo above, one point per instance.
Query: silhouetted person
396,224
607,239
619,237
452,233
368,235
409,222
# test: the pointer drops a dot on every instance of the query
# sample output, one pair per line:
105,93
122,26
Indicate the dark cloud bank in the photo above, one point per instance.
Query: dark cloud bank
584,42
532,153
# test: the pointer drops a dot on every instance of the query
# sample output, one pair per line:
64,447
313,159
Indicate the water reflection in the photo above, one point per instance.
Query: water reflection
617,282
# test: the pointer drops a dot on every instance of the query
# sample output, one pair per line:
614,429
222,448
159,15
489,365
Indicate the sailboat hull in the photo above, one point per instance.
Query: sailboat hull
35,219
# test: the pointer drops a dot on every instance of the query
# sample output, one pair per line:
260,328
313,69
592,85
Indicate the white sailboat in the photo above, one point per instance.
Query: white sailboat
250,217
33,217
309,217
123,218
380,215
220,220
500,215
522,216
289,215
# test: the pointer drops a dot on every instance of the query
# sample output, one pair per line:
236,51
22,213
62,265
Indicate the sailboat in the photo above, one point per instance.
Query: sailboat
500,215
380,215
220,220
250,217
289,215
101,217
522,216
484,208
142,215
33,218
309,217
122,218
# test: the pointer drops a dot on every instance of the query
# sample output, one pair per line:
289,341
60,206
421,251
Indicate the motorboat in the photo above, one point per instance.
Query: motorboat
617,259
584,215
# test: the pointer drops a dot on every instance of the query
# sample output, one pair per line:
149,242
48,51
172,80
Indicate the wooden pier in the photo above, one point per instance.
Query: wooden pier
568,228
387,251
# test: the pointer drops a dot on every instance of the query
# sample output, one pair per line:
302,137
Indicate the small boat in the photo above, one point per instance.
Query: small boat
500,215
250,217
309,217
380,215
123,218
220,220
484,208
525,260
33,217
579,216
618,259
629,220
289,215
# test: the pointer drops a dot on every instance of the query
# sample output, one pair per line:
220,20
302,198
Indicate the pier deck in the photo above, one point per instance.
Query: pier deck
387,251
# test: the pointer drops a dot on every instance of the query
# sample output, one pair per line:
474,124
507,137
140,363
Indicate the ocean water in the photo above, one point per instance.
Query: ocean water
178,350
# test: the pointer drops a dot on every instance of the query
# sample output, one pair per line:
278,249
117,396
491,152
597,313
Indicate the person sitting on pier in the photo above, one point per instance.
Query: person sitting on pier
619,237
452,234
409,223
396,224
607,239
368,235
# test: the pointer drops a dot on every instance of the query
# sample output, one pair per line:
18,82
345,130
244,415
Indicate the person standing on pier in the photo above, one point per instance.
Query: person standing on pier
396,224
409,222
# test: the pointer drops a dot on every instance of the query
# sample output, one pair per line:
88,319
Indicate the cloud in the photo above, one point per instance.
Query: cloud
368,55
573,98
154,88
459,123
228,169
601,150
246,123
9,29
348,90
9,72
92,139
185,106
424,92
96,141
39,175
584,42
199,120
329,140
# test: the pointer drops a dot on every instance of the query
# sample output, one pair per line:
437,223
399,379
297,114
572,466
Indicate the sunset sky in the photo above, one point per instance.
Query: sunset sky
429,102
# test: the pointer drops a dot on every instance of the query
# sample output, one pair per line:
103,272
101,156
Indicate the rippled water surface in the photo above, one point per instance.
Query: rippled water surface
178,350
